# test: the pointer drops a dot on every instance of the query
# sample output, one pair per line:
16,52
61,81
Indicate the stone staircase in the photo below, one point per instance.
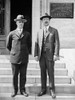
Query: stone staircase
65,89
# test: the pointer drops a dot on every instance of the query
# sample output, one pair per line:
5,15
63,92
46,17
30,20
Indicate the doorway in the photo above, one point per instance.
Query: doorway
23,7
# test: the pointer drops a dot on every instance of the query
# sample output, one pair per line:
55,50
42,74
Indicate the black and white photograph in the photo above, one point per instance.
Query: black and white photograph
37,49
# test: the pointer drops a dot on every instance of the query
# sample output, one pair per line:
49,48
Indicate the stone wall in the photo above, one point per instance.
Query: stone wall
65,26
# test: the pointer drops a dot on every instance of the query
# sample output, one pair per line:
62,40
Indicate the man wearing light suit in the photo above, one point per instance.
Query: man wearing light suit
18,43
47,52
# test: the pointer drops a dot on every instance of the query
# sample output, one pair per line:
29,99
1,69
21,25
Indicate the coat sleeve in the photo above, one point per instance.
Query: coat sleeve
9,42
57,43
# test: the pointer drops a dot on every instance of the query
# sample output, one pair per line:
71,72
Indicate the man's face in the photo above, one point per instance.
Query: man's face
20,24
46,21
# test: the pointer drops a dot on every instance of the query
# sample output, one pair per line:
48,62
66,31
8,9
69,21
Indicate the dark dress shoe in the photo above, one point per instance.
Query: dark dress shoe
14,94
41,93
52,93
25,94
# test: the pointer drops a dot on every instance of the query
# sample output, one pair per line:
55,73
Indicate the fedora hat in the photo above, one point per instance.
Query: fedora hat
20,18
45,16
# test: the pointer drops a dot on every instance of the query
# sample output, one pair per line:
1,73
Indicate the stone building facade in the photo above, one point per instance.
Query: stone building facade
63,19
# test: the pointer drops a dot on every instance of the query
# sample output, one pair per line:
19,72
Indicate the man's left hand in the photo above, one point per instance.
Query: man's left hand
56,58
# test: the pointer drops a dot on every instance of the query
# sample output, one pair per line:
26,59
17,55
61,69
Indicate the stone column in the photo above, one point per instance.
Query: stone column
35,20
7,17
7,20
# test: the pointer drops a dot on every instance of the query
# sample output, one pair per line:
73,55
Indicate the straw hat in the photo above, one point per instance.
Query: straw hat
20,18
45,16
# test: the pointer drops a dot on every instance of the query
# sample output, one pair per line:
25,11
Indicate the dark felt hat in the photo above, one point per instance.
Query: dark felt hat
45,16
20,18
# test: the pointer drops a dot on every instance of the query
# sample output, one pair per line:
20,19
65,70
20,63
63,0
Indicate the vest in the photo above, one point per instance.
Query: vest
44,42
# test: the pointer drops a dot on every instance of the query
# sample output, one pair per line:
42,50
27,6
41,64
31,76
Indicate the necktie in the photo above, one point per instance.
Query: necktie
20,31
45,33
46,30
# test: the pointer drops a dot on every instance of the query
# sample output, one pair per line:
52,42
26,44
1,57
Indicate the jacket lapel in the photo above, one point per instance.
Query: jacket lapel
50,29
50,33
19,36
40,38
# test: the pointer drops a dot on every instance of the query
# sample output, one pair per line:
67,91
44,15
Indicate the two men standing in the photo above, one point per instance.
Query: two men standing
47,52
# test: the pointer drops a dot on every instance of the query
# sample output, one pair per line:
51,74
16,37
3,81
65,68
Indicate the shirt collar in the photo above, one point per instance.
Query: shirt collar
46,27
19,29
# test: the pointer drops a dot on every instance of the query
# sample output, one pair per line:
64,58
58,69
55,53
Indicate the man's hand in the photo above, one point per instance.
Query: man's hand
36,58
56,58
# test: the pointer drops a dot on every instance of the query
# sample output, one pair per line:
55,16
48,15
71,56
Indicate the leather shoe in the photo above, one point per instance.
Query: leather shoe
41,93
52,93
25,94
14,94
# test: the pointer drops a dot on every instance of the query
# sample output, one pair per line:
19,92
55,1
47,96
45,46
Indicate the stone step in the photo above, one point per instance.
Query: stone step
57,98
57,72
7,96
32,65
8,57
58,64
19,97
34,71
31,57
36,79
5,63
35,88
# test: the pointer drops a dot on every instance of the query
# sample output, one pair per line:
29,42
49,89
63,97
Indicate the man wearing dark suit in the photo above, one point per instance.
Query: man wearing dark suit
47,52
18,43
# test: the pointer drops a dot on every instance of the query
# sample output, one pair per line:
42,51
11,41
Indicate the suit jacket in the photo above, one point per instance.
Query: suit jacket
52,44
18,46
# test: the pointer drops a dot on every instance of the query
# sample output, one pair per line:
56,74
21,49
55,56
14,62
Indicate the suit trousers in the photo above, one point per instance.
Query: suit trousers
46,66
19,70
